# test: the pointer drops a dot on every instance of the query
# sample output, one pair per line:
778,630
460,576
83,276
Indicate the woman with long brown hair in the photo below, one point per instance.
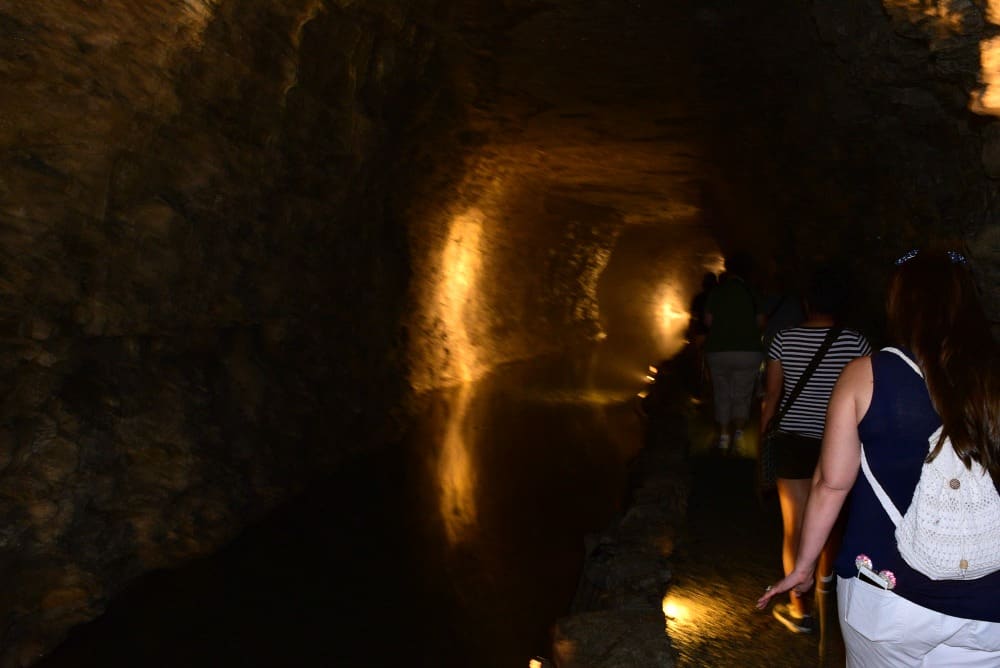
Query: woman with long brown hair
899,616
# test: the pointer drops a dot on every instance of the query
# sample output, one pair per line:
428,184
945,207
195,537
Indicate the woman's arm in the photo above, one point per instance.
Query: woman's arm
774,380
835,474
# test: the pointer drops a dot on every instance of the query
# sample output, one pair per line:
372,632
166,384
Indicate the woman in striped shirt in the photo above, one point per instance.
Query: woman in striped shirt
796,450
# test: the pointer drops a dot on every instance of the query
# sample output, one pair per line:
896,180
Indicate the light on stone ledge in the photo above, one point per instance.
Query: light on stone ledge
683,612
671,610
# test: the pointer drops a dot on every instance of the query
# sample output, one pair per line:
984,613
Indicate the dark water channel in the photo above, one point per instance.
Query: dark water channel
457,547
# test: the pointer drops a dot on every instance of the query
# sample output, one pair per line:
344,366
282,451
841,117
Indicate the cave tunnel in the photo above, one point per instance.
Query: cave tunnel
291,287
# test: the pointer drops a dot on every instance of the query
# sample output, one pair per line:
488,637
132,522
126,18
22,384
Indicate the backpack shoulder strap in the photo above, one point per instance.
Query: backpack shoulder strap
880,493
936,436
883,498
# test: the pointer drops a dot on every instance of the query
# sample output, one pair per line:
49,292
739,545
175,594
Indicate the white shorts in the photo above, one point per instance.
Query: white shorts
733,373
884,630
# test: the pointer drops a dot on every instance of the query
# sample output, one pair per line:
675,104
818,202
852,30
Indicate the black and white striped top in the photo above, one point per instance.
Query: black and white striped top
794,348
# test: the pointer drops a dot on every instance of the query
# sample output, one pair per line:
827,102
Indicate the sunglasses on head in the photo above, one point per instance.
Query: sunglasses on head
954,256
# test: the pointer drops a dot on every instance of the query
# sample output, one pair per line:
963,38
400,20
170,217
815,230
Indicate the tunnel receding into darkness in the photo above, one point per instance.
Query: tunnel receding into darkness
249,245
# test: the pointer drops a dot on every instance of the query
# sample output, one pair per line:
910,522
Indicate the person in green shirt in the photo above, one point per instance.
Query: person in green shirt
733,349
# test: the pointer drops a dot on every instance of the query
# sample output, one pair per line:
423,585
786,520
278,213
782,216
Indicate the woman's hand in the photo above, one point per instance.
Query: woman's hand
798,581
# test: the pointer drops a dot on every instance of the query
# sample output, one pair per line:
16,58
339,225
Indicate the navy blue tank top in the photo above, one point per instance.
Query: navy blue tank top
894,432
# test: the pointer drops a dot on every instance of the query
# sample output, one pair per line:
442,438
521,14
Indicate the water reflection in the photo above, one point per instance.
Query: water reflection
456,472
461,544
527,461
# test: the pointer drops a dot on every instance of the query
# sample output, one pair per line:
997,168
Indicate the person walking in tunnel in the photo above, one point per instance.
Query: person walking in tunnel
697,331
783,309
892,417
734,317
802,367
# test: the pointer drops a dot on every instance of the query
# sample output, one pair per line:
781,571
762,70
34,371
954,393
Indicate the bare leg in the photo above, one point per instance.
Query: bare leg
792,494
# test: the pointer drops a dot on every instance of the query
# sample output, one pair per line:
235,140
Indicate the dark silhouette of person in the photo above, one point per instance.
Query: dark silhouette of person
733,350
697,332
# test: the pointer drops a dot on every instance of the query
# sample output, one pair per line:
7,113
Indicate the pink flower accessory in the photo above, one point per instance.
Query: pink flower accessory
884,578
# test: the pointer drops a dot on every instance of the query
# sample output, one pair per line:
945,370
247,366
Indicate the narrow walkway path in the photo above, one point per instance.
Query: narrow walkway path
729,547
730,553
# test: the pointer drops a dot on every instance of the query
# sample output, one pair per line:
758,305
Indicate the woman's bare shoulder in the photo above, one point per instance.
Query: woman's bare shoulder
855,385
857,375
860,367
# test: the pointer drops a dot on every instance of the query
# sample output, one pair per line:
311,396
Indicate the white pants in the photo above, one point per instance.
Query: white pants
883,630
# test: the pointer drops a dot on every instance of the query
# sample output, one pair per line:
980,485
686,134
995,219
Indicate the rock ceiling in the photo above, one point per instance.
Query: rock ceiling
597,101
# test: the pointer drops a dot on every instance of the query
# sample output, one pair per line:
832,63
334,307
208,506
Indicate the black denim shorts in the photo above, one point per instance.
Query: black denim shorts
795,456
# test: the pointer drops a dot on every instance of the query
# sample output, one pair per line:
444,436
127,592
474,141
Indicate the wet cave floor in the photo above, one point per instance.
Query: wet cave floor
728,552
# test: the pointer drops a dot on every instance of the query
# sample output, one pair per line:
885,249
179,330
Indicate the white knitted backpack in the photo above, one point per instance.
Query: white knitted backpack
951,531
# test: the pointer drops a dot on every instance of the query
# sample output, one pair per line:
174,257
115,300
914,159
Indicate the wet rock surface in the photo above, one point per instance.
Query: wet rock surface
203,273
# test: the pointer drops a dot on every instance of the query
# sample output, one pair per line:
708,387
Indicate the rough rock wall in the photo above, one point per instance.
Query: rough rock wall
203,270
505,271
860,133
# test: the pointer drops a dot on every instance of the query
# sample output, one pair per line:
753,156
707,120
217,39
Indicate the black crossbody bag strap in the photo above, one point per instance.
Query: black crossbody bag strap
831,336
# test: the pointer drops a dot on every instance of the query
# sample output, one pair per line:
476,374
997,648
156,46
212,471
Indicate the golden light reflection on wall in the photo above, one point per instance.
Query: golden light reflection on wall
461,261
309,12
197,14
940,15
455,303
987,99
671,317
947,20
